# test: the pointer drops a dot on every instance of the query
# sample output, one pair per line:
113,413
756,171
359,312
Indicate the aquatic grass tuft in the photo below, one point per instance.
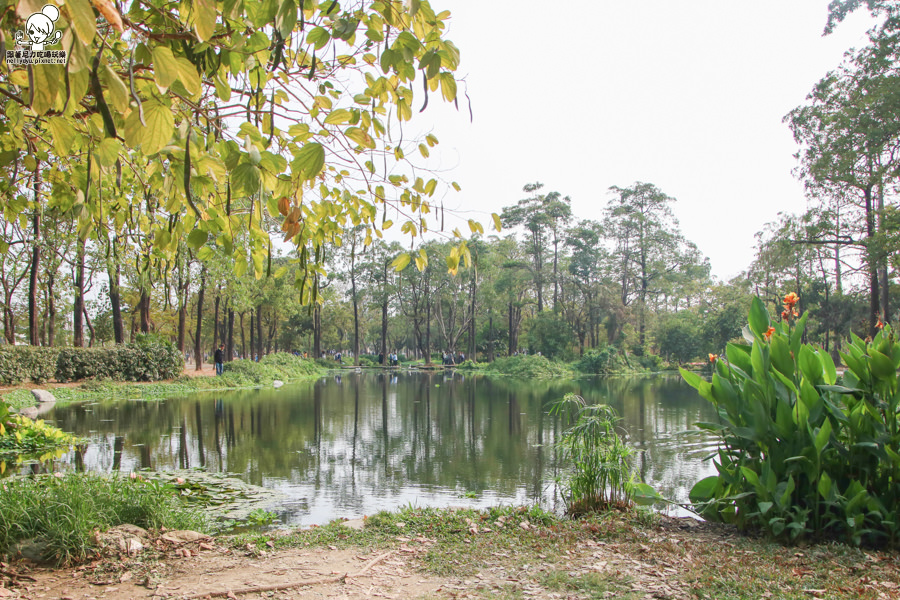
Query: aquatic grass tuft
601,476
59,514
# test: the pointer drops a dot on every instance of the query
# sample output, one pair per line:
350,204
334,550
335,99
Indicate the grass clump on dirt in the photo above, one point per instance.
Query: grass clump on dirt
59,515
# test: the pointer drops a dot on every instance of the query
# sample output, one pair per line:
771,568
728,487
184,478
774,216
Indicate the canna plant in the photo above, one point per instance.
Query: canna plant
803,454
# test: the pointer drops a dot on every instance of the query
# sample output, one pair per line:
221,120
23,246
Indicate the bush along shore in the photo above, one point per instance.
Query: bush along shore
238,374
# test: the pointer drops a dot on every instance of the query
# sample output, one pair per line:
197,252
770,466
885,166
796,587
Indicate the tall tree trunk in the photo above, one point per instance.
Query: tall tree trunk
87,320
243,347
216,324
78,308
428,332
317,331
198,342
259,331
51,309
33,321
490,334
115,298
252,334
883,264
229,345
872,264
145,309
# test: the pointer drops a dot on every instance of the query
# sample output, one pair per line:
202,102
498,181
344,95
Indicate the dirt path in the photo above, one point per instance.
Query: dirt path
219,572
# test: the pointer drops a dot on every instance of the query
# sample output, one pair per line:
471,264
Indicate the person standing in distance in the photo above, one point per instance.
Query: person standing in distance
219,358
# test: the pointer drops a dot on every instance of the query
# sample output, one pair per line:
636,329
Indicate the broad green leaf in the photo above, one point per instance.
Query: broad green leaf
496,219
318,36
360,137
810,365
188,76
644,494
197,238
704,490
115,89
882,367
160,126
823,435
62,135
204,19
46,83
246,179
448,86
759,318
338,116
400,262
83,21
287,18
107,152
165,68
309,161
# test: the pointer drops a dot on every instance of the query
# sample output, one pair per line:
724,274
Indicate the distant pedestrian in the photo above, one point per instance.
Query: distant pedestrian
219,358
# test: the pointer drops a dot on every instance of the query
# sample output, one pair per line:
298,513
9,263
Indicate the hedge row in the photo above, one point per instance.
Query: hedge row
147,360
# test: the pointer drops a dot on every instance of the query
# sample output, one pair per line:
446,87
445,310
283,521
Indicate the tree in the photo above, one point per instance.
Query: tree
540,215
850,142
647,243
219,114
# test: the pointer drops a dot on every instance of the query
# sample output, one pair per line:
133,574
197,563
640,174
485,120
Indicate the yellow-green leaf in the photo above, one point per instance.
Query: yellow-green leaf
116,90
204,19
107,152
62,134
309,161
46,84
338,116
400,262
448,86
187,74
83,21
496,219
165,67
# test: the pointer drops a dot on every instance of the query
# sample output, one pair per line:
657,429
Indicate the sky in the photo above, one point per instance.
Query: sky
689,96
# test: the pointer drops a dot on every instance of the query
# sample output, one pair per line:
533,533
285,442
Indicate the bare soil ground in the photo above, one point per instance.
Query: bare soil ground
676,559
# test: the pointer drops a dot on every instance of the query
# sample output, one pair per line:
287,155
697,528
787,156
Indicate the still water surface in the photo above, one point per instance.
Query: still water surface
353,444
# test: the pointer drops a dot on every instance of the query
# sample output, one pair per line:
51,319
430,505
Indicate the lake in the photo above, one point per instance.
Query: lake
352,444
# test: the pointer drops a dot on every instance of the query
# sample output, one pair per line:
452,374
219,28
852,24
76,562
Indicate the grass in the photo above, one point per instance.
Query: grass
59,515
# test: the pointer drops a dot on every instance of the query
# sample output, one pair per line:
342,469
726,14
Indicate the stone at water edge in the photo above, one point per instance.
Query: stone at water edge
42,396
182,536
277,383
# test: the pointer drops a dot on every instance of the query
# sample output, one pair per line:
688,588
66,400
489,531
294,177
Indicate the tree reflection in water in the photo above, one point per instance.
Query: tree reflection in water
363,442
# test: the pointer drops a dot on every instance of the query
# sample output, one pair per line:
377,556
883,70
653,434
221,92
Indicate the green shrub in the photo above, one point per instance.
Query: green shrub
599,362
148,359
60,514
280,365
27,363
801,456
528,366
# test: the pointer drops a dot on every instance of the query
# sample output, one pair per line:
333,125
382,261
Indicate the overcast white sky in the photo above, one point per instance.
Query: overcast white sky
582,95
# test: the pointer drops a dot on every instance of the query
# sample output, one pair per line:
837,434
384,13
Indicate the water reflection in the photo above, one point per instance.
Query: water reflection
362,442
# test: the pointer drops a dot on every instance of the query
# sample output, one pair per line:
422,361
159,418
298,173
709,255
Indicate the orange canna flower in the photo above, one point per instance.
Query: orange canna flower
785,315
879,324
713,357
790,300
768,333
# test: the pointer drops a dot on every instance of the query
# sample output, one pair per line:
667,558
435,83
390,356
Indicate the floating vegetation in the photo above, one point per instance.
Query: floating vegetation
223,496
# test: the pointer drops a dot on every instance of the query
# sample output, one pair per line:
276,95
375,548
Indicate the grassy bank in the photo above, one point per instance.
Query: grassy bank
238,374
518,553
